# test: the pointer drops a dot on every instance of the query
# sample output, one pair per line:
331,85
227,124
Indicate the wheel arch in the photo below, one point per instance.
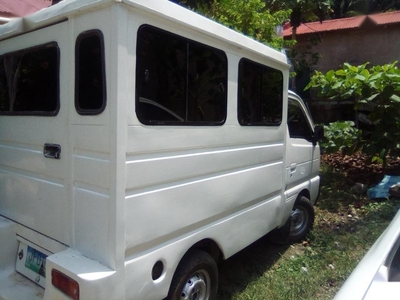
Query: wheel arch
304,193
209,246
301,218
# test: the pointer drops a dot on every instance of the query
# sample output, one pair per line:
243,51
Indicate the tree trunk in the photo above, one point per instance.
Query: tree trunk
294,32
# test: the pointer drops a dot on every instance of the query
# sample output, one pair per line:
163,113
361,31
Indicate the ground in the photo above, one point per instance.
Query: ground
358,168
345,227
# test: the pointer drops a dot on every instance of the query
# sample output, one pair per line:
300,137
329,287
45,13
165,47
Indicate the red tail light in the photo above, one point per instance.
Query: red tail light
65,284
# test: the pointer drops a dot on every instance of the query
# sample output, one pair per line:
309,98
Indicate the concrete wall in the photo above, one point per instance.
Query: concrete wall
375,44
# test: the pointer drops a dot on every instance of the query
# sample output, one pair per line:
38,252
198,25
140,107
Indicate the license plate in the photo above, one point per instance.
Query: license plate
36,261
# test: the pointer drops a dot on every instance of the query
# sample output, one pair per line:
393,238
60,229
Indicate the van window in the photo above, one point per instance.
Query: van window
90,83
29,81
259,95
179,81
297,122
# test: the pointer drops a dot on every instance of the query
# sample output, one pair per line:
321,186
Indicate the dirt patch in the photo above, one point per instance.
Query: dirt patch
359,168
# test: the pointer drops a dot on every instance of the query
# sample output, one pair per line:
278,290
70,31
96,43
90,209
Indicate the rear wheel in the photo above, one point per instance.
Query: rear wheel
196,278
302,220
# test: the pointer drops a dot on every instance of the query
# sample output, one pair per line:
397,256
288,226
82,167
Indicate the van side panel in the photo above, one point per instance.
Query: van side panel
202,185
205,173
188,183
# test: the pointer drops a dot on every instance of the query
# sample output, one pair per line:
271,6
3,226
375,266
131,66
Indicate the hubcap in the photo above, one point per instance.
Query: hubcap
197,287
299,220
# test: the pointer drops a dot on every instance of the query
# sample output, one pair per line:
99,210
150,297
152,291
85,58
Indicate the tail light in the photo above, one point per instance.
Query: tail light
65,284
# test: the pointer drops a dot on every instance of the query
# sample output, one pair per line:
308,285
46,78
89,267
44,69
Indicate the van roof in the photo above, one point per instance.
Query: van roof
68,8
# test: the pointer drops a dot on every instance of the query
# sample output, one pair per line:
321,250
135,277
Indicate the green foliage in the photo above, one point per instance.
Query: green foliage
303,56
349,8
376,89
341,135
250,17
302,10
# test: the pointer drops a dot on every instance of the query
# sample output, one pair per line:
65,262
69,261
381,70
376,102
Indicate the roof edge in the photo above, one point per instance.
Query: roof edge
381,19
47,16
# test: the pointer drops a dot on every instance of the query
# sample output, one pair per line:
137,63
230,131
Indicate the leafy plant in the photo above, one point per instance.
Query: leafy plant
377,89
341,135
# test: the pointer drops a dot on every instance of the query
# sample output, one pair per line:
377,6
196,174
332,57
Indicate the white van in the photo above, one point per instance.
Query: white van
140,143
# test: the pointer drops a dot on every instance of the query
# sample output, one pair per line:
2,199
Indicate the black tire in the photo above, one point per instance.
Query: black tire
302,220
195,278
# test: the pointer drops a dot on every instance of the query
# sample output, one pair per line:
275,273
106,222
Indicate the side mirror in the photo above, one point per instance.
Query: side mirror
318,134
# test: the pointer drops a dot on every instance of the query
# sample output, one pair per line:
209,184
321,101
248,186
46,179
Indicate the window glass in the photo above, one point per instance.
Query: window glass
179,81
297,122
90,84
260,94
29,81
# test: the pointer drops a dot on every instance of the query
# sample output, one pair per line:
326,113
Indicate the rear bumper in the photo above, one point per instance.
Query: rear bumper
95,280
13,286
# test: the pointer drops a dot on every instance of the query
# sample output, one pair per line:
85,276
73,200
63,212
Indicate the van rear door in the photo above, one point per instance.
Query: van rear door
34,133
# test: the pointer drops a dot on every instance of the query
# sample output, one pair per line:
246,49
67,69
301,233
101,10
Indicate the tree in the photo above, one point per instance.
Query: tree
301,10
348,8
378,88
340,8
250,17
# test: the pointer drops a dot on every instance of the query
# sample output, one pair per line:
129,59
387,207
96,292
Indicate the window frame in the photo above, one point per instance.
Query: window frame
261,68
181,122
85,34
40,113
296,103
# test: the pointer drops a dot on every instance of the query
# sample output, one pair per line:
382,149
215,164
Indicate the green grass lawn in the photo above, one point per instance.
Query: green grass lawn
346,226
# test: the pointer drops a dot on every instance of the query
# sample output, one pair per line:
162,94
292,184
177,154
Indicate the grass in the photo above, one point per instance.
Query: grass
346,226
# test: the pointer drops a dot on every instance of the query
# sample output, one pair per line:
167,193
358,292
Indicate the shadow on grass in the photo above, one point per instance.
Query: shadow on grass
247,265
336,193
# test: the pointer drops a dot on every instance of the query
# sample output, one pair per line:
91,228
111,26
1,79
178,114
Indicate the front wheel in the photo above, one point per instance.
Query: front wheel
302,220
196,278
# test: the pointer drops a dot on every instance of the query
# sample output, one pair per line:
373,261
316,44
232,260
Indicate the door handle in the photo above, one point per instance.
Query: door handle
293,167
52,151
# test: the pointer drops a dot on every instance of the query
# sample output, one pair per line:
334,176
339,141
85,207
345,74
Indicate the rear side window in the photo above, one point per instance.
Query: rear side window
179,81
29,81
260,94
90,80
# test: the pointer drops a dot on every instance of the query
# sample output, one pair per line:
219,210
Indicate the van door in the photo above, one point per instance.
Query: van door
302,153
34,163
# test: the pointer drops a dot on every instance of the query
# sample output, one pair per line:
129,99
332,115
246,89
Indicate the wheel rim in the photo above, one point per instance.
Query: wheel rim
197,287
299,220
